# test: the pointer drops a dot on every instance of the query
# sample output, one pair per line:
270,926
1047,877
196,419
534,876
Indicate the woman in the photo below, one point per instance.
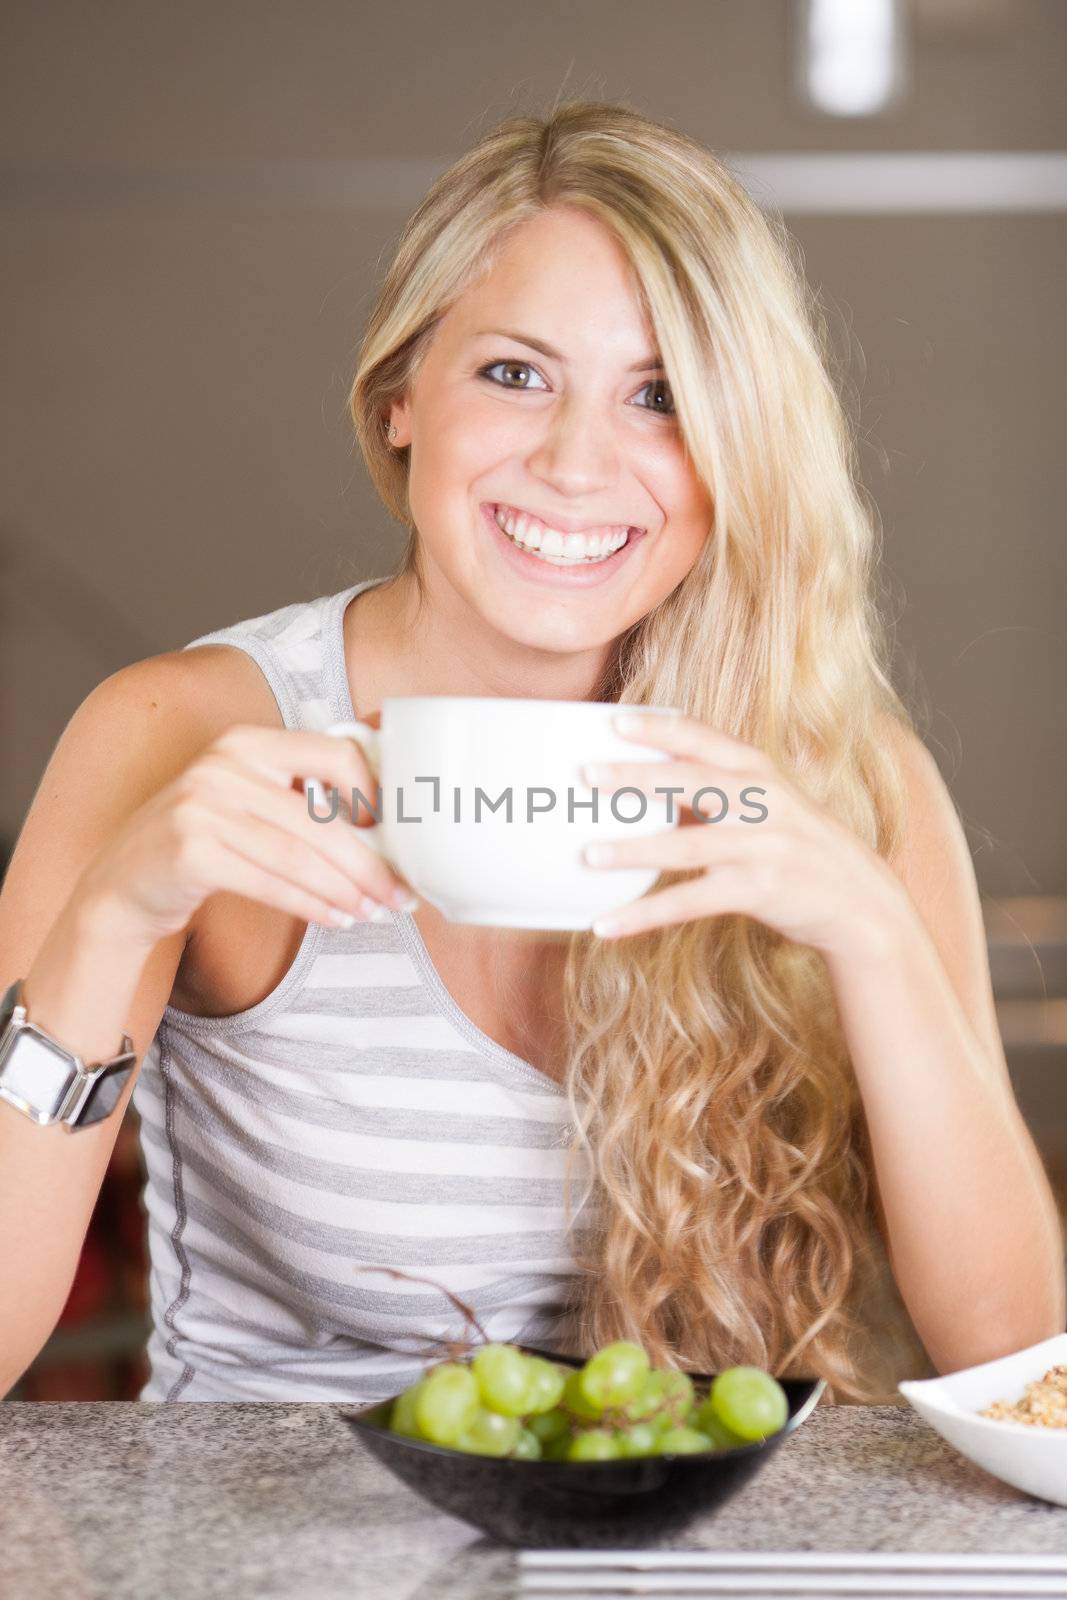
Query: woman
774,1066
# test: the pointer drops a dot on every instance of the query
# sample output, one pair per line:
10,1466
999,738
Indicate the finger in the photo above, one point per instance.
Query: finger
687,736
239,792
726,889
720,793
237,873
293,861
285,754
672,850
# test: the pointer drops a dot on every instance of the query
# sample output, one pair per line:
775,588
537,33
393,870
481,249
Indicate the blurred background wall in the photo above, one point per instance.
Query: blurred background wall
198,204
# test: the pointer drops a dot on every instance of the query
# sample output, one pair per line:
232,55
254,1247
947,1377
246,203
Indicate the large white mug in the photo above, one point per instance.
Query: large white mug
445,765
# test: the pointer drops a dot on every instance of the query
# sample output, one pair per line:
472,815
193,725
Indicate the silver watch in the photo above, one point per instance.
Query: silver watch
49,1083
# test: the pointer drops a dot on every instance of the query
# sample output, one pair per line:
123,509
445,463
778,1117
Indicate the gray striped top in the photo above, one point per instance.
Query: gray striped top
354,1117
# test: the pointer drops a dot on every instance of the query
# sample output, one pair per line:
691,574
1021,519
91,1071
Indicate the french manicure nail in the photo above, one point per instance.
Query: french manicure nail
374,909
597,855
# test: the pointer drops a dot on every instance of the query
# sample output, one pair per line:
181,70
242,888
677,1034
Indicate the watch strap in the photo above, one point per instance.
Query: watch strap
102,1090
94,1090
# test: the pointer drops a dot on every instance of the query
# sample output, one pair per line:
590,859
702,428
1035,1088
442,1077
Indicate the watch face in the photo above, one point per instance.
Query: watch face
33,1076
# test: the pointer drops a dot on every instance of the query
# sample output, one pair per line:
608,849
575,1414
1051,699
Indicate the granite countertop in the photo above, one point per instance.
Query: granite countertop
260,1500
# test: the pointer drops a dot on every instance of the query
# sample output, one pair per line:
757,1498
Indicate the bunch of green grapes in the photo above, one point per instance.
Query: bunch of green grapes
506,1403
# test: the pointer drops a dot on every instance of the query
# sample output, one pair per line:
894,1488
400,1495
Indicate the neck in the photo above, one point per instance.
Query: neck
395,645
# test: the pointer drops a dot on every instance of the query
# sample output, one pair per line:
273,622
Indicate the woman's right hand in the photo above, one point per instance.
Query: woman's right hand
237,818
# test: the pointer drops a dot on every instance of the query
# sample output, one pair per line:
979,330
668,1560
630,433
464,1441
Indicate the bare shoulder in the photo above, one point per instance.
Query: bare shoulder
936,868
190,694
135,730
139,728
933,835
905,742
930,809
129,737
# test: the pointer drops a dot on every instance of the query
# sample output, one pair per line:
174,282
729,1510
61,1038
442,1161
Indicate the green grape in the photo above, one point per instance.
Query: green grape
574,1399
489,1434
595,1444
639,1439
614,1375
662,1391
706,1420
546,1383
447,1402
503,1378
556,1449
549,1425
749,1402
647,1400
682,1442
402,1416
527,1447
679,1396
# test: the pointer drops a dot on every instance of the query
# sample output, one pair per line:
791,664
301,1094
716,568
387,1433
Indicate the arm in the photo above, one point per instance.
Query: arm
131,830
89,975
970,1223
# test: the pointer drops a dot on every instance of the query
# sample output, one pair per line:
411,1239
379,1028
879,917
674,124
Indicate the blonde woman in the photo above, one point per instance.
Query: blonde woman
594,388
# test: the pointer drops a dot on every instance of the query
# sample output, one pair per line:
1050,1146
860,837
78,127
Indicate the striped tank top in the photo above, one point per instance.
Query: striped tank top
355,1117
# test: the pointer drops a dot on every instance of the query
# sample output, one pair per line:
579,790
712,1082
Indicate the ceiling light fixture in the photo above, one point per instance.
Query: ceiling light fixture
851,56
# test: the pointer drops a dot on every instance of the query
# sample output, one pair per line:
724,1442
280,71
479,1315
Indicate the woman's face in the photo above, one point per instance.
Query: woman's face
583,438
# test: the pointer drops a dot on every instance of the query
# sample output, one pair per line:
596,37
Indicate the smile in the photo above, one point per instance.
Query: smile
552,545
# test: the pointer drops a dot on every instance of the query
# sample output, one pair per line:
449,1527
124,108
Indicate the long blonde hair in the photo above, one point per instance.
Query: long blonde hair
709,1081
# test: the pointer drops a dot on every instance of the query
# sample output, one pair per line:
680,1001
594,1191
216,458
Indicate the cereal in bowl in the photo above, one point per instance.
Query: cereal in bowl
1043,1403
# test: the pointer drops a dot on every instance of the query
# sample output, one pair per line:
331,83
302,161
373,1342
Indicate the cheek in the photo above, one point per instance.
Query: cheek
694,506
685,502
465,440
469,426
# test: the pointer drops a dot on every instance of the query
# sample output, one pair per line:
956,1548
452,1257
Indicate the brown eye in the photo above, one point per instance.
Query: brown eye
660,383
509,367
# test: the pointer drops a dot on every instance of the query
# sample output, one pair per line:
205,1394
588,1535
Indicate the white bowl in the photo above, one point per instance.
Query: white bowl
1027,1456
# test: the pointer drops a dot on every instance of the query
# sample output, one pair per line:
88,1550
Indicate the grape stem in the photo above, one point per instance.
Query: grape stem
614,1417
465,1311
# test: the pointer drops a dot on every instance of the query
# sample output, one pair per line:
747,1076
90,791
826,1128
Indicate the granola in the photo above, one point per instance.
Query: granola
1043,1403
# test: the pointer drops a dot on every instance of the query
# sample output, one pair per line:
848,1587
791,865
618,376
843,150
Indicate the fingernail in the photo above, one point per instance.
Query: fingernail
403,899
375,911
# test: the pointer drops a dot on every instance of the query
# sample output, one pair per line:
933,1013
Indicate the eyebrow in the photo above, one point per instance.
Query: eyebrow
647,364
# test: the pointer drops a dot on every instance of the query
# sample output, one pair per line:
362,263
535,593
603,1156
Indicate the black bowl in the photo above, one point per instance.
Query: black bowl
576,1504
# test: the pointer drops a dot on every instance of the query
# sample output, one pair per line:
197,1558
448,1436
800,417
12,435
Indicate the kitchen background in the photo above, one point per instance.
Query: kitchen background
198,202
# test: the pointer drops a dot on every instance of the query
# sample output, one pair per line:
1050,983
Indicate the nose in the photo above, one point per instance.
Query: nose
576,455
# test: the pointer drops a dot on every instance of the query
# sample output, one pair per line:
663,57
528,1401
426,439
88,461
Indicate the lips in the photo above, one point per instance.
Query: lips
571,575
550,545
563,525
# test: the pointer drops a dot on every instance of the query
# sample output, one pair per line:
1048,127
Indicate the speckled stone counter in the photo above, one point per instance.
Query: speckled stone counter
158,1501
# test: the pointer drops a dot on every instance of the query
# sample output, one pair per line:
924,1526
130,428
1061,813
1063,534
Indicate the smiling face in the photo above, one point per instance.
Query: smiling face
584,439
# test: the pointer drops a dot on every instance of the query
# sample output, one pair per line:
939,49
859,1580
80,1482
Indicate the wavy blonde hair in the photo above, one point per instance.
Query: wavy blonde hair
709,1081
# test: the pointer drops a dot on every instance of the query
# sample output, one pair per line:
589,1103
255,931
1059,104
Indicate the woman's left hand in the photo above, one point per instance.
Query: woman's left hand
795,868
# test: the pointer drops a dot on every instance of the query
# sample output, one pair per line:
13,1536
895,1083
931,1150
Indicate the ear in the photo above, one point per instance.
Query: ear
399,417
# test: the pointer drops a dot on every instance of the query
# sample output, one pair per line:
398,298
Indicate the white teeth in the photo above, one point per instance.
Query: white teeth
550,545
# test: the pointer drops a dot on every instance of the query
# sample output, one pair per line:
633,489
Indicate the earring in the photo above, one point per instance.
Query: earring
392,431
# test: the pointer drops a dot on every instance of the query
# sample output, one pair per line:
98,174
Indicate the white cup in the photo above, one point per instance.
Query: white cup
445,765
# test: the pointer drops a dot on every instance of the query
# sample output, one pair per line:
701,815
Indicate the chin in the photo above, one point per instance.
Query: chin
547,626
